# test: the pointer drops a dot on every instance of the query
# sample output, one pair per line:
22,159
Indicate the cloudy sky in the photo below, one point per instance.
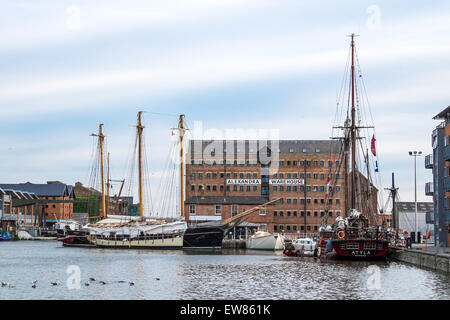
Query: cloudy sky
67,66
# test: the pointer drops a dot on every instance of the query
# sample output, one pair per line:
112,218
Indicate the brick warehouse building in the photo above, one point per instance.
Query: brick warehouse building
55,198
224,178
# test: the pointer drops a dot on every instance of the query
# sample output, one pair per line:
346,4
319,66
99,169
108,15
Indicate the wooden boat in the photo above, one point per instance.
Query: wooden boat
357,235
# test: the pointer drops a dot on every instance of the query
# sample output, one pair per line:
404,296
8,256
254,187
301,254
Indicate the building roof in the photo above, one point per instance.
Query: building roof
281,146
444,114
226,200
41,190
410,207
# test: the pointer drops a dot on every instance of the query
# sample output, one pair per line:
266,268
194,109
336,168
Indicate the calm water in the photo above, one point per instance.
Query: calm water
224,275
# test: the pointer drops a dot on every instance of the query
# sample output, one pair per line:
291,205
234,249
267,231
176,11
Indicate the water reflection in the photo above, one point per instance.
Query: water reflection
226,274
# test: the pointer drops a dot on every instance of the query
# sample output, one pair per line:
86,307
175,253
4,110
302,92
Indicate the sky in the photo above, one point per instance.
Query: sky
67,66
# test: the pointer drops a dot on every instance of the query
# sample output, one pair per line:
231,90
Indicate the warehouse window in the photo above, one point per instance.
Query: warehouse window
218,210
234,210
192,209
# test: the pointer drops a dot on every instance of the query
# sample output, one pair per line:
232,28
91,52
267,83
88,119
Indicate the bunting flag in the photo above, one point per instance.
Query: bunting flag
372,147
376,166
330,165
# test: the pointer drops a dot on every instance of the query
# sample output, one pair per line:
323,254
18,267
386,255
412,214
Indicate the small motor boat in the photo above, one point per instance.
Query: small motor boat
4,235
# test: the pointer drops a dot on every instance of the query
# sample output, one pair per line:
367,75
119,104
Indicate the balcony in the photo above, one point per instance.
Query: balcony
429,161
429,188
446,153
446,184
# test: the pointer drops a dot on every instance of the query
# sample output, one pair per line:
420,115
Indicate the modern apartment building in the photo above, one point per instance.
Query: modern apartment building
439,162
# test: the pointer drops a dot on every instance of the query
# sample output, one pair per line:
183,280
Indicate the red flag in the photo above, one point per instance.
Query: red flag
372,147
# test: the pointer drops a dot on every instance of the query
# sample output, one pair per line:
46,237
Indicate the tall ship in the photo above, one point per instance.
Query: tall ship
358,233
162,230
126,231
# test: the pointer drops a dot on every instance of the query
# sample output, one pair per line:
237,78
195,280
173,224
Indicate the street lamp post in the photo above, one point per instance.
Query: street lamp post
415,154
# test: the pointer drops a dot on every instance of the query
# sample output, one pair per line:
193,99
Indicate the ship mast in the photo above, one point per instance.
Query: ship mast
182,130
353,128
101,138
140,129
108,186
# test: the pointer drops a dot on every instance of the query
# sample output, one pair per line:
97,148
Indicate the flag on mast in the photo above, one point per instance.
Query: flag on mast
330,166
372,146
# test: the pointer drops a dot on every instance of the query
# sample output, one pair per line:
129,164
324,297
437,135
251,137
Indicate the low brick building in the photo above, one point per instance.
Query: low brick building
55,199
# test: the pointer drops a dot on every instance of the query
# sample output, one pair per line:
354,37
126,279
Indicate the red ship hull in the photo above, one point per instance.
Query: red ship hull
358,249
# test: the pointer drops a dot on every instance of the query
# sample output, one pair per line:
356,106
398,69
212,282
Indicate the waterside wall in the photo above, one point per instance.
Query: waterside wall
429,260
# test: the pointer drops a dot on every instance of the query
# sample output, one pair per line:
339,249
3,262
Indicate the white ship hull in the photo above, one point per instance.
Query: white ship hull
175,242
266,241
137,235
